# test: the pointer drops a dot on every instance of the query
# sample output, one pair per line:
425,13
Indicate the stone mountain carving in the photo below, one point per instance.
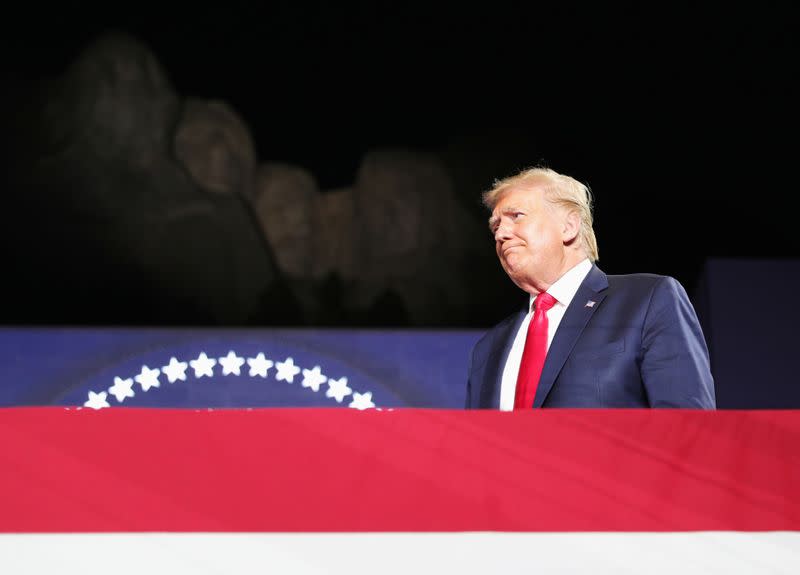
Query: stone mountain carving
160,205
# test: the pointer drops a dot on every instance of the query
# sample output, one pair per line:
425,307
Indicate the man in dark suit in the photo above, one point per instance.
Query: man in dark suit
596,340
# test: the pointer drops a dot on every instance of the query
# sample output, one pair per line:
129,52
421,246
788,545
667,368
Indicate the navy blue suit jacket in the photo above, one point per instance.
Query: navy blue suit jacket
639,345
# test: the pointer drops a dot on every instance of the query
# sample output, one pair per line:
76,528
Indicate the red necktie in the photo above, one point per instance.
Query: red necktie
530,368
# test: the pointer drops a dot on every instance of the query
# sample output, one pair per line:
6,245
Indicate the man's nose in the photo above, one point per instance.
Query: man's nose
503,232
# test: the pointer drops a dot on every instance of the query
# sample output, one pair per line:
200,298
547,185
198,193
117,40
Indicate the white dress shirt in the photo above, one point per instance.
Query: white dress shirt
563,290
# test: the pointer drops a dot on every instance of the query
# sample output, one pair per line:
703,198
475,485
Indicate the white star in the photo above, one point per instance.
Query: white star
175,370
337,389
259,365
362,400
122,388
286,370
231,363
203,365
313,378
97,400
148,378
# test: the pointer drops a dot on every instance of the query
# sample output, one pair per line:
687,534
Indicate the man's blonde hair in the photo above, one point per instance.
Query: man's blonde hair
559,190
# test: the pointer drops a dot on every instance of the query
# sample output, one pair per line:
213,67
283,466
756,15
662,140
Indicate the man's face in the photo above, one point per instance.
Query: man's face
529,238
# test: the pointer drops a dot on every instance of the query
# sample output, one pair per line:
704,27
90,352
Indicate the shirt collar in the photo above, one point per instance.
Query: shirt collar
565,288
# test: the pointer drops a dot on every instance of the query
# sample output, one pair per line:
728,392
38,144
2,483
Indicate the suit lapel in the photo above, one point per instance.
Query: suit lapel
569,330
490,394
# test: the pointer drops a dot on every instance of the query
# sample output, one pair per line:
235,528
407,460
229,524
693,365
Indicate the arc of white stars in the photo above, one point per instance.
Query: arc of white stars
313,378
231,364
362,400
337,389
122,388
259,365
175,370
203,365
286,370
97,400
148,378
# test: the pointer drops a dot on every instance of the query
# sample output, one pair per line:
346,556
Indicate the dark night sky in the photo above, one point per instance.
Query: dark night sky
681,118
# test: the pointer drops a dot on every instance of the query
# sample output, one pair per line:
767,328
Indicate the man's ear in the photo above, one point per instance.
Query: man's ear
571,226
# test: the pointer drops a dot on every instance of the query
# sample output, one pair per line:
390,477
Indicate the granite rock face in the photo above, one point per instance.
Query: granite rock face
284,203
215,146
410,239
106,200
158,206
395,239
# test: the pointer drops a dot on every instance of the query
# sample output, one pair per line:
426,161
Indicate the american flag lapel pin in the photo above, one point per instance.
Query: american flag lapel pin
589,303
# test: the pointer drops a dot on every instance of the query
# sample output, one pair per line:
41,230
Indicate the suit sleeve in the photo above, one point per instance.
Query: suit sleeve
675,364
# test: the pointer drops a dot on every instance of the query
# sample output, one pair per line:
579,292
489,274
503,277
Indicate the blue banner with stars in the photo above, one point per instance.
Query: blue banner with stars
219,368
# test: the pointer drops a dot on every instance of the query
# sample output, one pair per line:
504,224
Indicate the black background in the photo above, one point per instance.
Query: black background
681,118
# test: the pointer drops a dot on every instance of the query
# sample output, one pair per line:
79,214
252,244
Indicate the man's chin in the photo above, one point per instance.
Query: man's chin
515,270
512,265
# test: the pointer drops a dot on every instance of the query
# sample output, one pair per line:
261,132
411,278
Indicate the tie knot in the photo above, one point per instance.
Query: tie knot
544,301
